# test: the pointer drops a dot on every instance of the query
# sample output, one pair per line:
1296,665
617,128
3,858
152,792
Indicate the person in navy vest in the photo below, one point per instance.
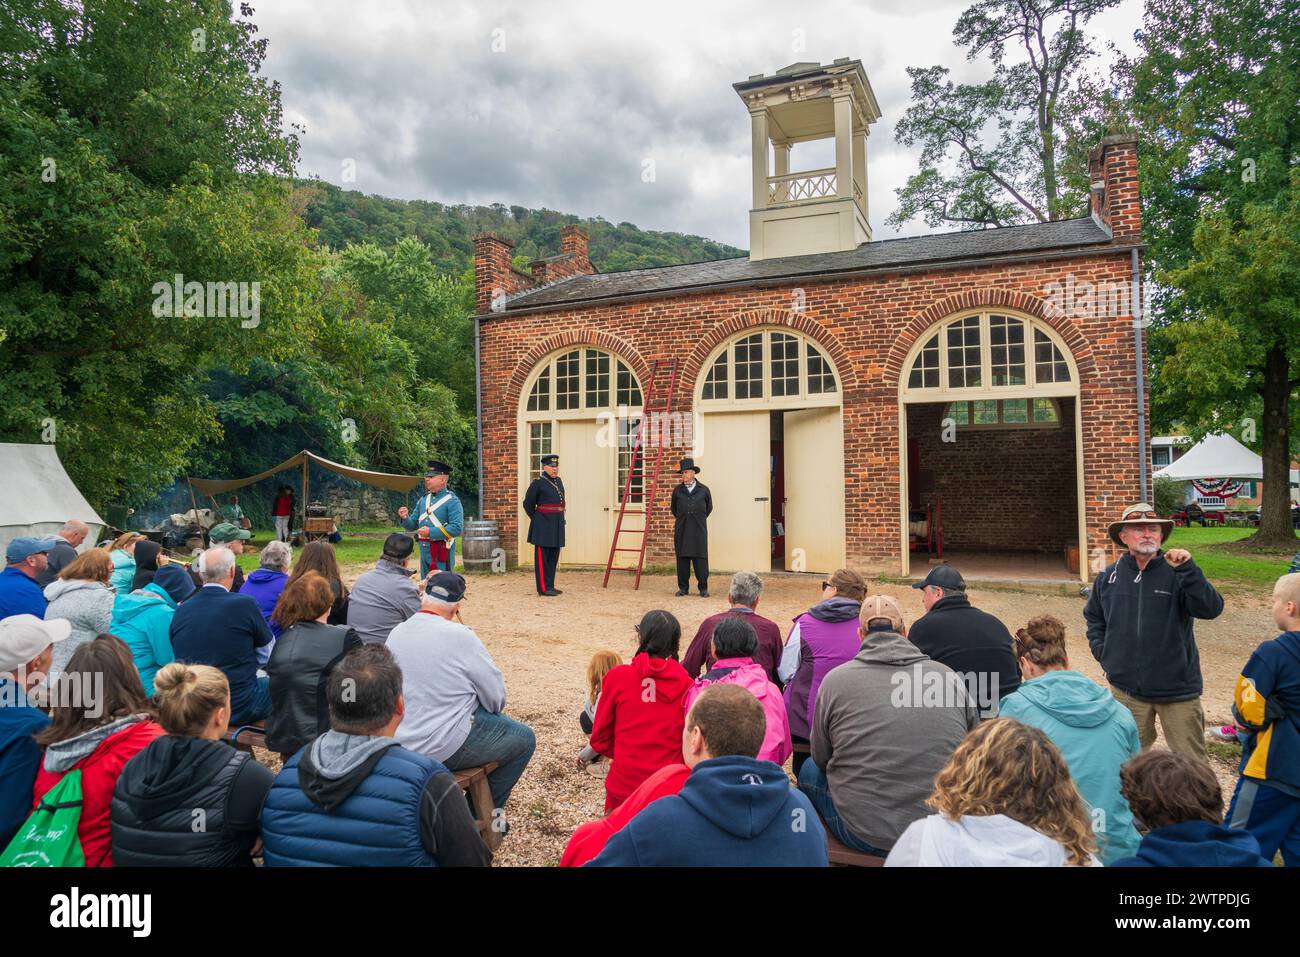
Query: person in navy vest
691,504
355,796
438,518
544,505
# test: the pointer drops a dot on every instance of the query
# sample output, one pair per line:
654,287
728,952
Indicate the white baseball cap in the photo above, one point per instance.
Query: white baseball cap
23,637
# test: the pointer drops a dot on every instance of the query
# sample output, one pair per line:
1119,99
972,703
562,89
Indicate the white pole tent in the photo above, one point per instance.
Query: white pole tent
37,496
1218,457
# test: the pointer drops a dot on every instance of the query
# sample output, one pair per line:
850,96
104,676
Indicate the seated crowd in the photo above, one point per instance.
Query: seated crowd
946,743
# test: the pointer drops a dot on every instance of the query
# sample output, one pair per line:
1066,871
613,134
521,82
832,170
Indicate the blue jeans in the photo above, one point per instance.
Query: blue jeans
494,737
259,705
1272,816
813,783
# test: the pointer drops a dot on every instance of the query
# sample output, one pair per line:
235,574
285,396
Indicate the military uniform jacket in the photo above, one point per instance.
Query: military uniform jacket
451,513
544,505
690,509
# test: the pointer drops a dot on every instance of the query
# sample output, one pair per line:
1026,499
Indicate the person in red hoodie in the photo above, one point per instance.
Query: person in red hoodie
640,719
100,720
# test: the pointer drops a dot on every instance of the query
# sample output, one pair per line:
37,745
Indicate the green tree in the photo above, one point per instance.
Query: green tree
137,142
1215,92
992,152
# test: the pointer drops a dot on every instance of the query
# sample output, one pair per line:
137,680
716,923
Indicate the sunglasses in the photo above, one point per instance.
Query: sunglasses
1136,515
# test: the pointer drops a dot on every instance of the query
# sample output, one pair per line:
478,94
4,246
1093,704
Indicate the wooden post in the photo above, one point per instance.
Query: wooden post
305,462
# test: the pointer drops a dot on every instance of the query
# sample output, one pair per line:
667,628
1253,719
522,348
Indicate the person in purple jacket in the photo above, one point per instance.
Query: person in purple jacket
822,638
265,585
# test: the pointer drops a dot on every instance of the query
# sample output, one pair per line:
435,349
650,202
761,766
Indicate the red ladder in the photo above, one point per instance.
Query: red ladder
636,469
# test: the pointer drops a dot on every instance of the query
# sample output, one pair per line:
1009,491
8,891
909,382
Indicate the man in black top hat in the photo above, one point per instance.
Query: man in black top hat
544,505
971,642
437,519
691,505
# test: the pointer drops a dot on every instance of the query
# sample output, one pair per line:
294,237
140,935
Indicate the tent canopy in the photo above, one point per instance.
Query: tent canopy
1217,456
37,496
395,483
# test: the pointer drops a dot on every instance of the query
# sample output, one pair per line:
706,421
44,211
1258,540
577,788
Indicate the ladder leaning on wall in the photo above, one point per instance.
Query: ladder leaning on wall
659,368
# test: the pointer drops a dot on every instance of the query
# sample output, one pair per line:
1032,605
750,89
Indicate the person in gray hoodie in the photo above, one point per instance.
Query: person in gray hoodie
82,595
886,722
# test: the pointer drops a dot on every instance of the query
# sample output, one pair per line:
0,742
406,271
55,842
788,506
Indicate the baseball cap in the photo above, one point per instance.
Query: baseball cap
25,546
225,532
881,606
398,546
945,577
23,637
446,586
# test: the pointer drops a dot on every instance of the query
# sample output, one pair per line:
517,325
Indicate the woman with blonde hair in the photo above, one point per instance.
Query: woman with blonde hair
83,596
319,557
1005,799
301,662
189,799
122,554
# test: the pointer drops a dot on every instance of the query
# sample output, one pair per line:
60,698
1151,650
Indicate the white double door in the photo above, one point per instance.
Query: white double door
736,464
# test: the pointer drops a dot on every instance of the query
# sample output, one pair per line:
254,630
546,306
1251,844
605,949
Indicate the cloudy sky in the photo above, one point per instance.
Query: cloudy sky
564,103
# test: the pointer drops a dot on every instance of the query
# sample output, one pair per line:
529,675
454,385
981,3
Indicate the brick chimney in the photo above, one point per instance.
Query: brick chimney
1113,176
493,269
573,243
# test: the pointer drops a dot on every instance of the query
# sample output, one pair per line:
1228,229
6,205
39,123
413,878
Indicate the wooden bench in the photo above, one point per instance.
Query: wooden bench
247,736
474,782
841,855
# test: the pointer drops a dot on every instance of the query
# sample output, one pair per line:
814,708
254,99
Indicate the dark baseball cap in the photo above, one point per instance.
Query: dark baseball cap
945,577
399,546
446,586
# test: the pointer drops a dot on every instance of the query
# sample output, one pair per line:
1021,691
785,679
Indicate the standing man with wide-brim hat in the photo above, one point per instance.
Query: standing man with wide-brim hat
691,504
437,519
1139,619
544,505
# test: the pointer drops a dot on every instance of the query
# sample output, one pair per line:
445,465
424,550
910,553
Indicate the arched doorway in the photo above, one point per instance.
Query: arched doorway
771,446
989,429
580,403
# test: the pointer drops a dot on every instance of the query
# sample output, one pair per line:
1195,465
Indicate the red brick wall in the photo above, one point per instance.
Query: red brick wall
866,326
1002,489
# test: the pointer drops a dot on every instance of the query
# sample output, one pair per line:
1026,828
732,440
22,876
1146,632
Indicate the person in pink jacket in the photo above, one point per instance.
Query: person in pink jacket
734,643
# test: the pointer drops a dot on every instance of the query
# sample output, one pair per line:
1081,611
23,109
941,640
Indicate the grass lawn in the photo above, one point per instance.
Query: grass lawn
1219,565
350,551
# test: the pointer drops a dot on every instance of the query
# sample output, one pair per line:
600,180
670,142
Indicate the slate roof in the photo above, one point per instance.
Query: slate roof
885,253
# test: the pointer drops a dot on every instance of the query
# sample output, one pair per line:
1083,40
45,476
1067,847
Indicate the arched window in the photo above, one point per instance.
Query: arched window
992,352
768,367
581,383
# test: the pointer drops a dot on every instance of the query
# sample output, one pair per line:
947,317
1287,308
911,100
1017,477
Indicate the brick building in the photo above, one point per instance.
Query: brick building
834,388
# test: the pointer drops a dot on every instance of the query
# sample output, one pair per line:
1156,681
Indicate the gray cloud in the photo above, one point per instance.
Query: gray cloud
562,104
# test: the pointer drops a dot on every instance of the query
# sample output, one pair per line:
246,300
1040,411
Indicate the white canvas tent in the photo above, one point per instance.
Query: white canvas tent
36,495
1219,456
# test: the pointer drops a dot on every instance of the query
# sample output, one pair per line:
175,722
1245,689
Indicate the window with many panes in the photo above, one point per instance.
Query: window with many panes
626,440
989,352
771,365
1004,414
583,379
539,444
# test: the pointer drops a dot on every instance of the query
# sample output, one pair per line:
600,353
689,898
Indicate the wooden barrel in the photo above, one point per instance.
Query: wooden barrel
479,544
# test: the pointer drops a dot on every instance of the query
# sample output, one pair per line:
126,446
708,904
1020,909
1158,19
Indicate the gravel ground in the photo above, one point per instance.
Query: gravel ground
543,645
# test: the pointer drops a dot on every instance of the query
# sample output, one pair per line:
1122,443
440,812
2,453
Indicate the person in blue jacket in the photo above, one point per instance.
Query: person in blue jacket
143,620
733,810
1094,732
26,651
1177,797
1266,801
437,520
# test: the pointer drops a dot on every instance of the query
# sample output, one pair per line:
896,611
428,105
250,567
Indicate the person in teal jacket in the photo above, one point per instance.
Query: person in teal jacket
1094,732
143,620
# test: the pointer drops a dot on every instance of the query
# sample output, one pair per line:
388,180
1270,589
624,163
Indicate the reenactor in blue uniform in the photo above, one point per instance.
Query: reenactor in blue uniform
437,519
544,505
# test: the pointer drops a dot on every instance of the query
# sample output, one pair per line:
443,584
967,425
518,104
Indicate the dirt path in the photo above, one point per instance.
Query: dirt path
543,644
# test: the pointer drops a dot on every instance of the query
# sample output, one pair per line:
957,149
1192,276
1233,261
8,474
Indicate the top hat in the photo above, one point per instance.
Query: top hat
687,463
